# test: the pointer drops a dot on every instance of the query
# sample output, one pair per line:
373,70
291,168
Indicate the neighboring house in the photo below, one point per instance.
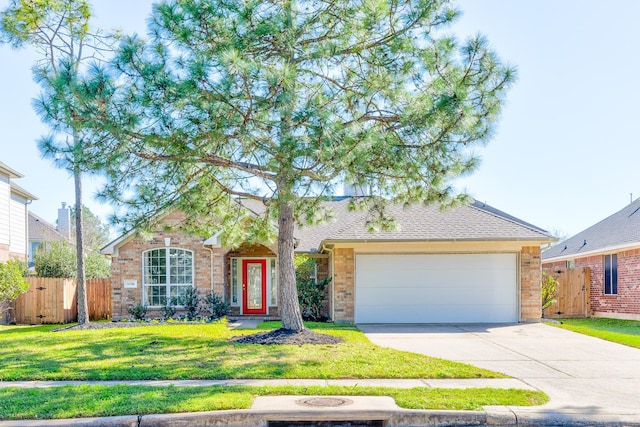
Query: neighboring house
470,264
14,202
40,231
611,249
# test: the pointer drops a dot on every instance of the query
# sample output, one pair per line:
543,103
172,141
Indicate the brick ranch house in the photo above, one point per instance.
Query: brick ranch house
611,249
467,264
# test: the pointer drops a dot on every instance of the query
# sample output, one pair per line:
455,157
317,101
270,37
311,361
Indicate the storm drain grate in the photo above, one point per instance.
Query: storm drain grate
324,402
354,423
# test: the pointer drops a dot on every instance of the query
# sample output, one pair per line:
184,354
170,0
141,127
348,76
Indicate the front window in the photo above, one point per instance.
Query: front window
168,273
274,283
611,274
234,282
32,252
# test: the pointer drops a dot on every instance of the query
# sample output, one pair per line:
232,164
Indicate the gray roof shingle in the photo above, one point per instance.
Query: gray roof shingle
621,228
472,222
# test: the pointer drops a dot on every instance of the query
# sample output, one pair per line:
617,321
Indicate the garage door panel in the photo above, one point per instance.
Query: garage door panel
439,261
435,288
443,295
434,314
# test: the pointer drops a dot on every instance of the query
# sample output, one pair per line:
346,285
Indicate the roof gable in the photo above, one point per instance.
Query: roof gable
40,229
618,230
469,222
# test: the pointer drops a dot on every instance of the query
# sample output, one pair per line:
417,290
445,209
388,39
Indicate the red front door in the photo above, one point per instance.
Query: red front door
254,286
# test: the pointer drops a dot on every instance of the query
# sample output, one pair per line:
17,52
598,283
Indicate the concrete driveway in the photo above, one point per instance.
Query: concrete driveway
582,375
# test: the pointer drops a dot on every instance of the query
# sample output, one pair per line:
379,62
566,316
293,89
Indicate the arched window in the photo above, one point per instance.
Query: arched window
167,273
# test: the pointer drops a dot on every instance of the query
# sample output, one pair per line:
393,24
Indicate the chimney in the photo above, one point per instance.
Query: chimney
64,221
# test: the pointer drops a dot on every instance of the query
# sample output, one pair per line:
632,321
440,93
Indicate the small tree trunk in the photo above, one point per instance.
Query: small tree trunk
83,308
289,306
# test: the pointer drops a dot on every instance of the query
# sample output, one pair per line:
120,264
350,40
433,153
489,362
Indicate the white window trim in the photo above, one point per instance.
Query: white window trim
168,284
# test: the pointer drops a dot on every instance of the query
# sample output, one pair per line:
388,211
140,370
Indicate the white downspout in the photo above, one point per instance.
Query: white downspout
26,228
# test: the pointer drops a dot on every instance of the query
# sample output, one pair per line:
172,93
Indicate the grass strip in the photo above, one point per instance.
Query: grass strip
203,351
101,401
625,332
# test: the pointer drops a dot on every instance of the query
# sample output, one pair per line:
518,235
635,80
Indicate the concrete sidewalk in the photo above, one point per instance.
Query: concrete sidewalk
391,383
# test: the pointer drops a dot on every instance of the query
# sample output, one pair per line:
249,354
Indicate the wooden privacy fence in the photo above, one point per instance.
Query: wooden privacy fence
99,298
55,301
573,298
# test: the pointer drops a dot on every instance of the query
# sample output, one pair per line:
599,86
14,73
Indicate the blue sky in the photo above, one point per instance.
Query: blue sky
564,154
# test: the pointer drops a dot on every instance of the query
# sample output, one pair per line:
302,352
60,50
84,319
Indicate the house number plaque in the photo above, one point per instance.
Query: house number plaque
130,284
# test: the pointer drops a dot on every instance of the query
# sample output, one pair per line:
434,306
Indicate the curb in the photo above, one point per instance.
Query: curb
491,416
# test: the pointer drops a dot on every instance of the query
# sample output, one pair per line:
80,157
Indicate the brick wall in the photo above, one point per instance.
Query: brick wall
554,265
627,300
343,286
530,284
322,269
208,266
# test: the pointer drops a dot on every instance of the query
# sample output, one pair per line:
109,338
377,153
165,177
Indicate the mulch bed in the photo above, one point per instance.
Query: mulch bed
288,336
277,336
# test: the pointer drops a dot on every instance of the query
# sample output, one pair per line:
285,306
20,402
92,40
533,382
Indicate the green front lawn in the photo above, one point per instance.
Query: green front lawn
625,332
202,351
98,401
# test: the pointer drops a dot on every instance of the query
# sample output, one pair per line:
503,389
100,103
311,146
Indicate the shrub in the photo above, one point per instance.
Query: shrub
55,259
310,290
549,289
12,281
191,302
216,306
169,308
96,266
58,259
138,311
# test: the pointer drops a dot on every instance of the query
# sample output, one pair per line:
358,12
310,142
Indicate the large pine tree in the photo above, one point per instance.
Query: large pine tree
59,31
279,101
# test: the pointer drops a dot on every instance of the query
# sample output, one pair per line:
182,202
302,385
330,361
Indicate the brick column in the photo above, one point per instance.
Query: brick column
530,284
218,268
344,284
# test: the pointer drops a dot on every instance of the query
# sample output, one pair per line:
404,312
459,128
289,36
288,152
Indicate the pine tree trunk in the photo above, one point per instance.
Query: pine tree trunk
83,308
289,306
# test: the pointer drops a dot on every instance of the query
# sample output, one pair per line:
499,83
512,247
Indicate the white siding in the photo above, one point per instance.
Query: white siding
5,202
437,288
18,243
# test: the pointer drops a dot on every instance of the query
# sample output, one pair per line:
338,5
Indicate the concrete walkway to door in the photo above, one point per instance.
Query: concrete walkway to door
586,378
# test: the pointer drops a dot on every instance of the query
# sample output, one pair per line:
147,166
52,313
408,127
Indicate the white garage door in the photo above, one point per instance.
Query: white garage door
439,288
